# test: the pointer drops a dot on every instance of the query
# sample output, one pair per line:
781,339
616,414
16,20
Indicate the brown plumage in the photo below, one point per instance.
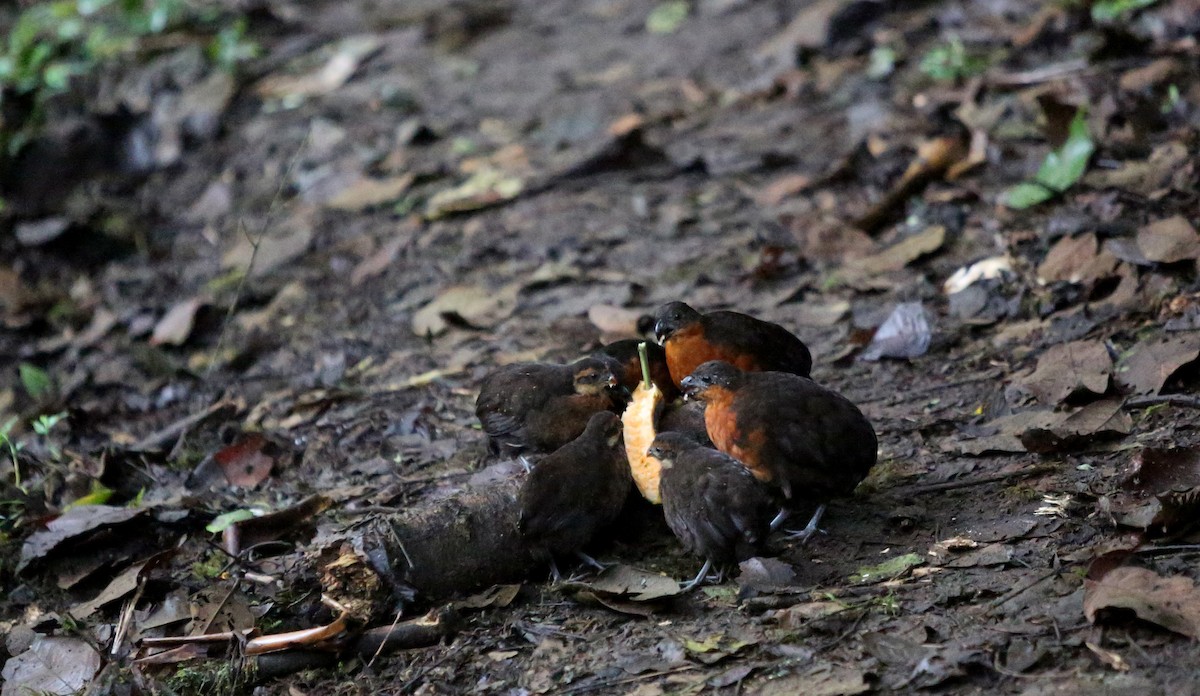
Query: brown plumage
808,441
712,503
576,490
686,418
539,407
692,339
629,375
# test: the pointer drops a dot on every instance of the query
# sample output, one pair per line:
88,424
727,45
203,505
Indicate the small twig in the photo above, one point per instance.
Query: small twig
383,643
967,483
1181,400
334,604
1041,74
583,688
183,424
1167,550
204,638
125,620
1017,591
844,635
255,243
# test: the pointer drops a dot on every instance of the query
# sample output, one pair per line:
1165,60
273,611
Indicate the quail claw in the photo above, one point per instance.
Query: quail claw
700,577
811,528
590,561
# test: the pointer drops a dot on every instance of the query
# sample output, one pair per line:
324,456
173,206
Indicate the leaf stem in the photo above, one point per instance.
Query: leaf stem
645,365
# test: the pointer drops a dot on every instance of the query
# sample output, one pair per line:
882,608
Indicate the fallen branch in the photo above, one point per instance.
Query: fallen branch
1181,400
223,408
968,483
460,544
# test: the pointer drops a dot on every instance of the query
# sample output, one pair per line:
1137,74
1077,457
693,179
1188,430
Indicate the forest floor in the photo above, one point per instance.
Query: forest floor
423,191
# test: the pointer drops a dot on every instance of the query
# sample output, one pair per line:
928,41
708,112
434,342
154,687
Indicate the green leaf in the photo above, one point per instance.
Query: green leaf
46,422
882,62
57,76
99,496
887,570
35,380
1111,10
222,522
951,61
667,17
1060,170
1027,195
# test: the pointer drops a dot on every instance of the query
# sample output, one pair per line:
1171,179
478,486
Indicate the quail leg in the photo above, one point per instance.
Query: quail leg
590,561
811,528
779,519
691,584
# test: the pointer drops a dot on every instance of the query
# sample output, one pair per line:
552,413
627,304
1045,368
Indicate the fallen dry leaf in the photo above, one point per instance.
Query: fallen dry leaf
1145,177
1153,361
1169,240
377,262
900,254
1156,470
336,70
1171,602
622,581
829,240
244,463
1076,260
1069,369
367,192
466,305
176,325
485,187
285,242
1004,433
1099,420
783,188
800,614
122,585
1148,76
808,30
1160,490
74,523
53,666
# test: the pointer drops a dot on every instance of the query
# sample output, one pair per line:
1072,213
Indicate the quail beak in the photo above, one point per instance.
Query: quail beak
612,381
689,388
663,458
660,332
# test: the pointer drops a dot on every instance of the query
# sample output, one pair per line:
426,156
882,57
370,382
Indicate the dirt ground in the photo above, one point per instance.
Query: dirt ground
484,183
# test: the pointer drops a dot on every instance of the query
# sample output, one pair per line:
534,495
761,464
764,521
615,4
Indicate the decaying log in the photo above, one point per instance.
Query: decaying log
434,550
460,544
